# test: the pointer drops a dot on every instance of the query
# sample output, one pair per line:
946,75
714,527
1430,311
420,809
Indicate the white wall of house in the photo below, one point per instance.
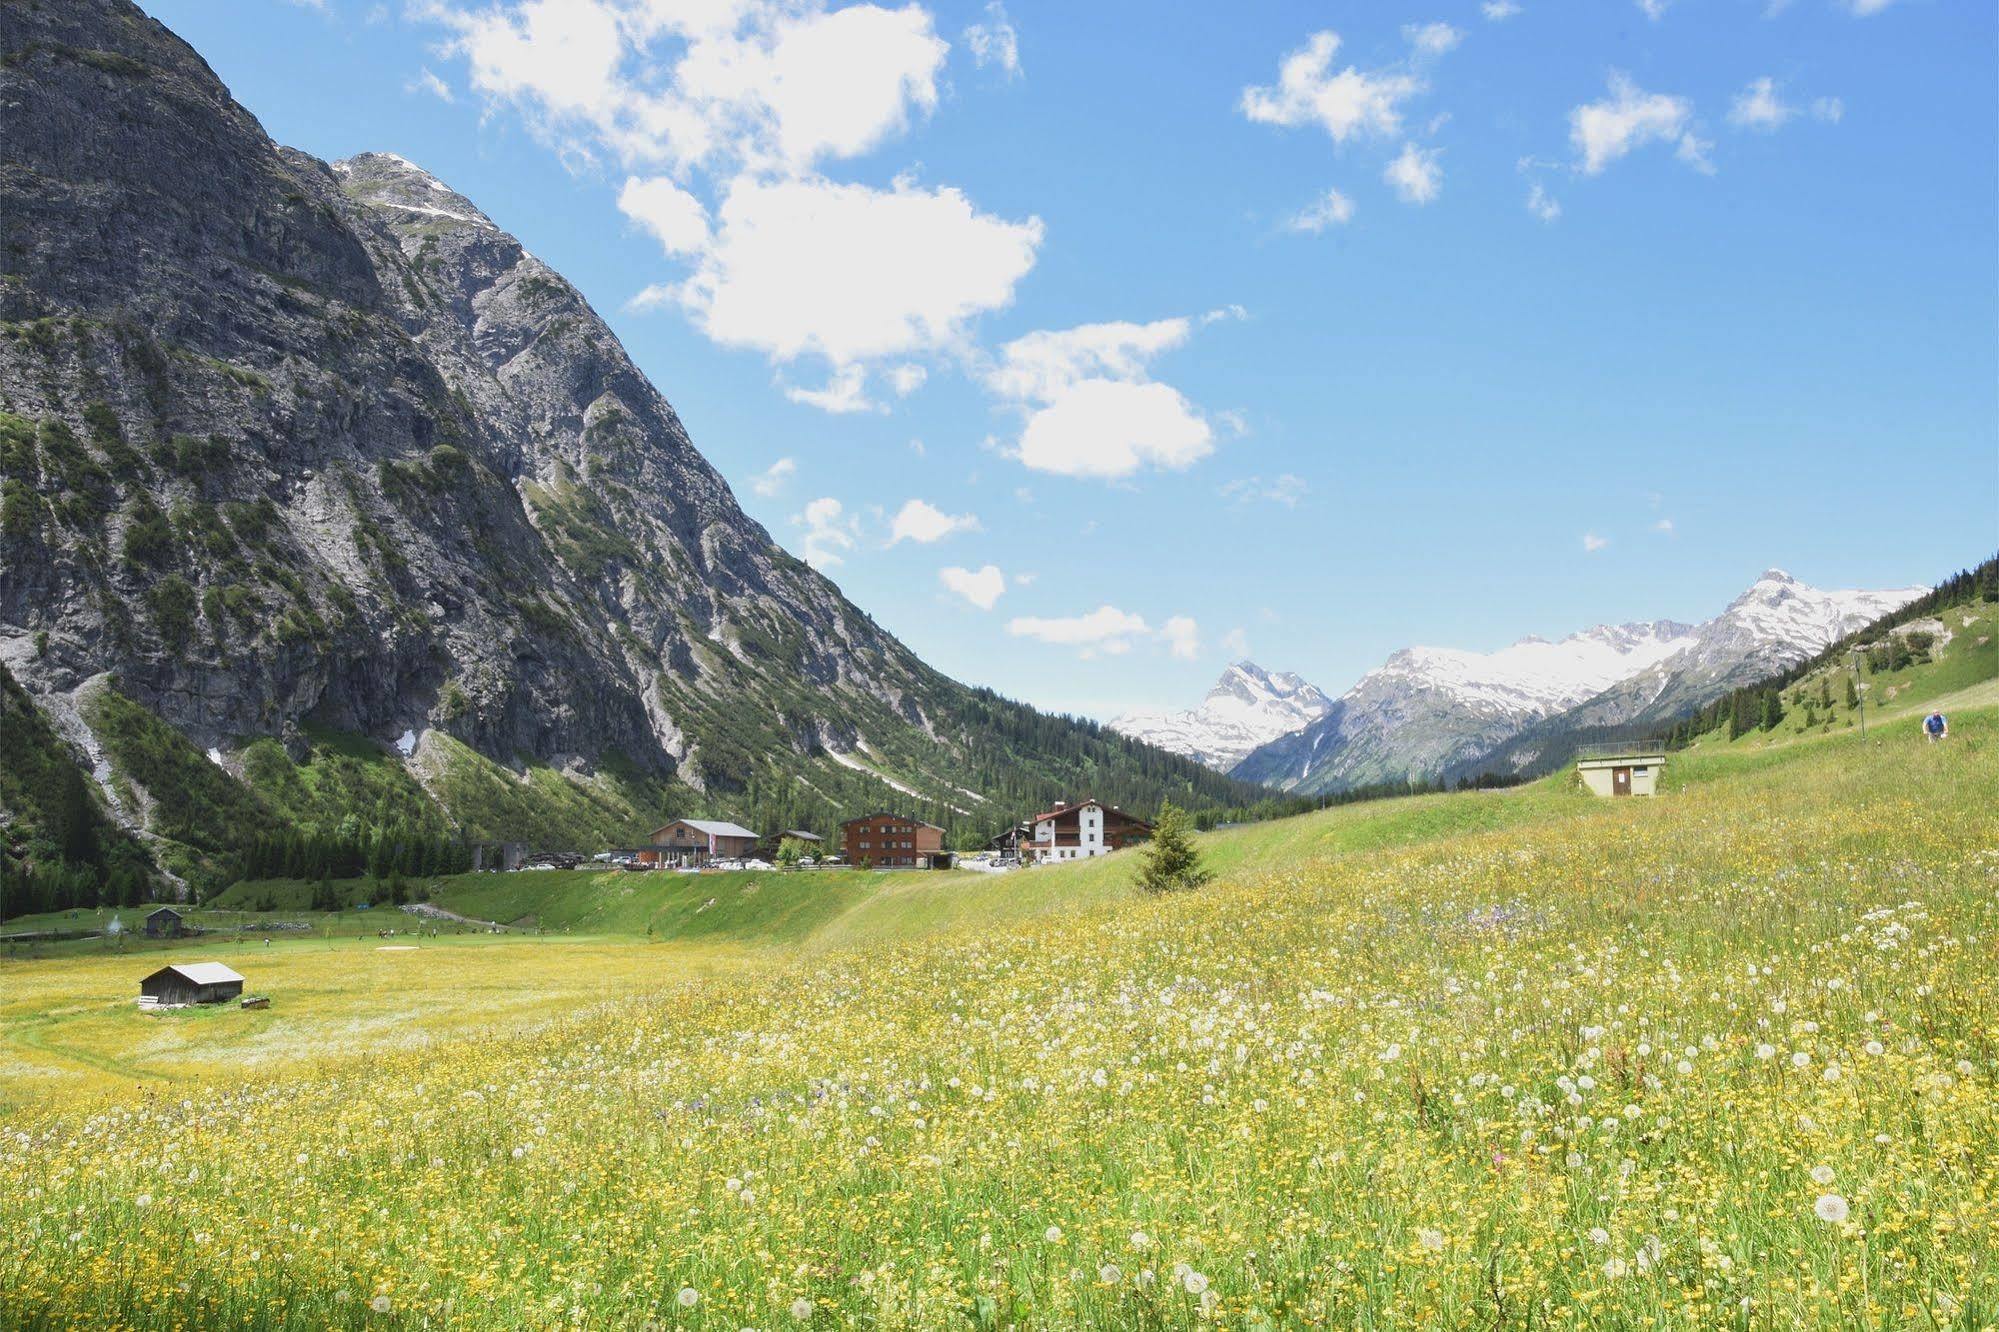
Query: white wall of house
1090,837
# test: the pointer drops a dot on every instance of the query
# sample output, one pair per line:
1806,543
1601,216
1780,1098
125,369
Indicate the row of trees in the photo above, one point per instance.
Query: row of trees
378,853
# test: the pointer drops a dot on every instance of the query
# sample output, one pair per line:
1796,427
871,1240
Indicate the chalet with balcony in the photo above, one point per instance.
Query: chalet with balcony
1080,831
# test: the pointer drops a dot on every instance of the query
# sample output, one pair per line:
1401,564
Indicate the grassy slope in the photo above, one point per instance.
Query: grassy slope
1252,1104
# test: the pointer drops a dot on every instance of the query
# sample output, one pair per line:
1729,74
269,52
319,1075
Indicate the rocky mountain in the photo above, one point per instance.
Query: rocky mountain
292,450
1247,707
1426,709
1432,712
1775,624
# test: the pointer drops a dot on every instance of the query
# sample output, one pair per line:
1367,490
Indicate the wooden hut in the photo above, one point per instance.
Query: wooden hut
192,983
165,923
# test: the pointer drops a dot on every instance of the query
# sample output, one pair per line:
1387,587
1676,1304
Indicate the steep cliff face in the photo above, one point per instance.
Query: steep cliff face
288,442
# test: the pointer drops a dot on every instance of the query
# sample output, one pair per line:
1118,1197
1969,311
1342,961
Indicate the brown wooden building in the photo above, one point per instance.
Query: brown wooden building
192,983
891,841
696,842
164,923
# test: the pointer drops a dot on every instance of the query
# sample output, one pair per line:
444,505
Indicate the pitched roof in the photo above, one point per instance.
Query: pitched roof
202,973
887,814
802,835
719,828
1060,810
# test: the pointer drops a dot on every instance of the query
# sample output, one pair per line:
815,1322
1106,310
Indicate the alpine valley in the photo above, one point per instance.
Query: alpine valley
1429,714
325,501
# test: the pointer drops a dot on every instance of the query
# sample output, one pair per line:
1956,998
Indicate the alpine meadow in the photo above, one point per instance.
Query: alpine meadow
975,664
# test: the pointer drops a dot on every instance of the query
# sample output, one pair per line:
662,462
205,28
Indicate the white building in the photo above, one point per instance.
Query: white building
1082,830
1628,773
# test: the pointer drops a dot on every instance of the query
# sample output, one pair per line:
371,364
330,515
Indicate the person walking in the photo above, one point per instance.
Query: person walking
1937,727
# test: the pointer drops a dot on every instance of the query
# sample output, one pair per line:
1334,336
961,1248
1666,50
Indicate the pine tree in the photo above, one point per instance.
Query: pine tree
1852,694
1171,860
1773,710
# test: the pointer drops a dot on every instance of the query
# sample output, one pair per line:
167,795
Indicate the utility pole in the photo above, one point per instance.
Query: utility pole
1859,691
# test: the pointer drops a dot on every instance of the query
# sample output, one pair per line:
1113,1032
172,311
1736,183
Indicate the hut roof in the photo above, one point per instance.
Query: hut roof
202,973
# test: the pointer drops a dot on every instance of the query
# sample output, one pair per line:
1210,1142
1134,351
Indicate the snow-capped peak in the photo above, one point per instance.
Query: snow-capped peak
1248,706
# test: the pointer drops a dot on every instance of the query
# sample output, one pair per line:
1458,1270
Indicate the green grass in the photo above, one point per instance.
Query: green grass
1364,1079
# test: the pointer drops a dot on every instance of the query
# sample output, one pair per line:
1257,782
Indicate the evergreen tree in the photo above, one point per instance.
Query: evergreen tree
1171,860
1852,694
73,828
1773,709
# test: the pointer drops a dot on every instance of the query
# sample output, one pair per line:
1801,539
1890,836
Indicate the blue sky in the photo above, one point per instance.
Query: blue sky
1615,305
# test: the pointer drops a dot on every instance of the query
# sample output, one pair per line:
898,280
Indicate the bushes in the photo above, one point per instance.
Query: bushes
149,538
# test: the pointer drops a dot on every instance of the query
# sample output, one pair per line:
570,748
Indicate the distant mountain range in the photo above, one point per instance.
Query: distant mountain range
1429,713
1248,707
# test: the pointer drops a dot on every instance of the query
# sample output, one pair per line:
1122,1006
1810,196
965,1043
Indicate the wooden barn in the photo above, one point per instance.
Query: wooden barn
192,983
165,923
697,841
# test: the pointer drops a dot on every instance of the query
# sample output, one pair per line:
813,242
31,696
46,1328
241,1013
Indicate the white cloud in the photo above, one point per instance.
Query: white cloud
1330,209
1044,364
1653,9
994,42
1694,152
923,522
1542,204
1415,174
1346,104
982,587
828,532
1105,630
428,82
846,392
653,296
1285,489
1758,107
1664,527
738,103
848,272
675,218
1602,132
1497,11
1431,39
905,379
761,85
773,478
1828,109
1108,428
1867,8
1092,410
1182,637
1024,579
1592,543
1235,644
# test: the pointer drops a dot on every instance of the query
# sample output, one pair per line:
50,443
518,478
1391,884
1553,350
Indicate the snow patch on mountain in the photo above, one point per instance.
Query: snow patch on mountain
1247,707
1428,711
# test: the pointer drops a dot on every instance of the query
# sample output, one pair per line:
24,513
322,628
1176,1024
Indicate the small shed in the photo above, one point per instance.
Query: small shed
1627,771
192,983
165,923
